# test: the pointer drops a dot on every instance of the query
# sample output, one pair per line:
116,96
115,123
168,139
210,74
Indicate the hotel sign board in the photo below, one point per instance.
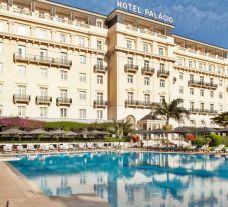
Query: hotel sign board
160,16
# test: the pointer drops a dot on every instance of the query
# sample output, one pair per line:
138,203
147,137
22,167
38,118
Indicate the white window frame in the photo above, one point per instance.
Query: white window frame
43,111
82,95
130,79
146,81
21,110
44,73
82,59
63,75
162,83
82,77
22,70
99,114
63,113
82,113
100,79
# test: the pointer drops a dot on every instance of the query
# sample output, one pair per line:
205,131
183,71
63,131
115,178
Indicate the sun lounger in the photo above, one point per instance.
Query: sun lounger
72,147
204,148
31,148
219,148
63,147
44,147
90,146
100,145
82,146
7,148
20,148
52,147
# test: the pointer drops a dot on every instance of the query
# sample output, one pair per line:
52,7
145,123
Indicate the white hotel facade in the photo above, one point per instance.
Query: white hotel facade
62,63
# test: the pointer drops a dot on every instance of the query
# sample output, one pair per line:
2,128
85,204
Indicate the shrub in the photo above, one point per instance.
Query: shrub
200,141
115,139
225,141
135,138
215,140
190,137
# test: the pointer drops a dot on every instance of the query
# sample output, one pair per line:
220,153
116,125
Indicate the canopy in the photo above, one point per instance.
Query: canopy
12,131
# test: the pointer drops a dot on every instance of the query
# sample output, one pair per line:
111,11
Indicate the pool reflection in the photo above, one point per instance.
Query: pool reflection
133,179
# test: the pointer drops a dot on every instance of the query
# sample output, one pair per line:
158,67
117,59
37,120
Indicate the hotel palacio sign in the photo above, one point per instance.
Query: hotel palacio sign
160,16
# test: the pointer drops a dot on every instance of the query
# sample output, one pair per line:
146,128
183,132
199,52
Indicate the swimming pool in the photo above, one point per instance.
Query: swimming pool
133,179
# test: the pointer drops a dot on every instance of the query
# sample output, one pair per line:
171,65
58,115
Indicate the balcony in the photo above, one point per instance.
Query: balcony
138,104
21,98
61,101
147,71
201,84
99,68
131,68
163,73
43,100
42,60
203,111
100,104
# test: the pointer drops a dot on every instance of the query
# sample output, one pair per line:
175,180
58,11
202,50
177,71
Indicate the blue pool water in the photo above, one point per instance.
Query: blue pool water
133,179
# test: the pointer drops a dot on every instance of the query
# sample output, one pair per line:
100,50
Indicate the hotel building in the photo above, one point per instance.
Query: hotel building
63,63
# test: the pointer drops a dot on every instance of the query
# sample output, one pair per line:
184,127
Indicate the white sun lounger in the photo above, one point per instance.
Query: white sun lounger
63,147
44,147
219,148
204,147
100,145
20,148
72,147
90,146
52,147
31,148
82,146
7,148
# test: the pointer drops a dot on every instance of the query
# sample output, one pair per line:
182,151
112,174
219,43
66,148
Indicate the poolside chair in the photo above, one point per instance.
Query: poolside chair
90,146
7,148
204,148
52,147
72,147
100,145
44,147
31,148
218,148
20,148
63,147
82,146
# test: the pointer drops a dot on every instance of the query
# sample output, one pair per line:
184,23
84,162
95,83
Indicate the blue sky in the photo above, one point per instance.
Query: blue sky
203,20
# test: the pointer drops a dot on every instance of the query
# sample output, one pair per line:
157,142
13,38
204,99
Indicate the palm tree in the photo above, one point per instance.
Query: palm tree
221,119
171,110
122,128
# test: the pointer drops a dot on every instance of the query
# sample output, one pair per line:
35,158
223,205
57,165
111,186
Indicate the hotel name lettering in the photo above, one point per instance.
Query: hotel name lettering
145,12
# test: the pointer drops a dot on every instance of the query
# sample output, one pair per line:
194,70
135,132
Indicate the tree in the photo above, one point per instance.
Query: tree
122,128
221,119
172,110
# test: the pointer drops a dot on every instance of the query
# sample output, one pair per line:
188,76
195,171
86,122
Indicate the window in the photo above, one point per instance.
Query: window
129,44
43,111
181,89
43,92
146,64
82,59
220,82
1,110
162,83
99,79
161,51
22,90
1,47
210,68
63,75
201,79
146,81
21,110
21,30
99,114
191,78
192,122
180,61
201,66
147,98
162,98
130,61
201,106
81,41
82,77
130,96
21,51
82,95
82,113
211,81
99,45
62,38
191,106
99,24
1,89
100,97
63,93
190,64
220,94
211,94
130,78
220,107
43,54
191,91
99,63
145,48
63,57
201,92
21,70
1,67
44,73
212,107
181,76
63,112
43,34
162,67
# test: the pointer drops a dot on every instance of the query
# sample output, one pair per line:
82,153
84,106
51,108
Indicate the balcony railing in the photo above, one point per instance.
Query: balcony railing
42,60
139,104
61,101
202,111
163,73
21,98
147,71
131,68
43,100
202,84
99,68
100,104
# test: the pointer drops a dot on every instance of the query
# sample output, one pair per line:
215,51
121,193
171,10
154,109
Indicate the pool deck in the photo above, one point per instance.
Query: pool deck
20,192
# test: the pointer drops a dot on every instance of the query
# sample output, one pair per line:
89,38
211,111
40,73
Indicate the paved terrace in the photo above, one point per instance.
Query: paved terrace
23,193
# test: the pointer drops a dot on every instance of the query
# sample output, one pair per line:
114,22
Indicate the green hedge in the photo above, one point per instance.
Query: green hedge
201,140
115,139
